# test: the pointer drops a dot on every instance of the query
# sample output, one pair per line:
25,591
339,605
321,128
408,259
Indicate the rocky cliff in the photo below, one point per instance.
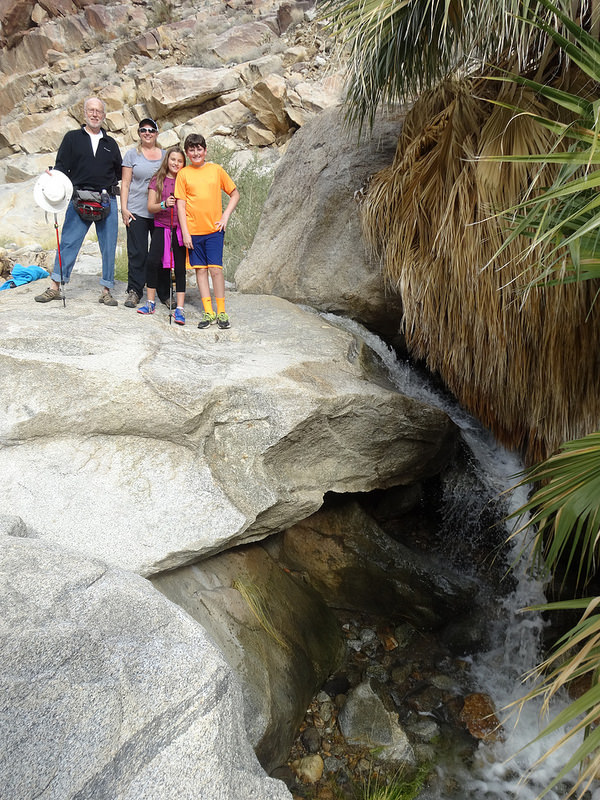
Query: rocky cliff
247,74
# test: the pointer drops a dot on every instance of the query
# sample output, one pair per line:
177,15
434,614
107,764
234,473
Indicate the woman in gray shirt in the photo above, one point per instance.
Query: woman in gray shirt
139,165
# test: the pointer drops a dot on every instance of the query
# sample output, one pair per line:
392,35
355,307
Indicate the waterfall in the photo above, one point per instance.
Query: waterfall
500,770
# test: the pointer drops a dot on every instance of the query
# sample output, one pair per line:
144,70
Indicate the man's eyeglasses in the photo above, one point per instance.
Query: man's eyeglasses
147,130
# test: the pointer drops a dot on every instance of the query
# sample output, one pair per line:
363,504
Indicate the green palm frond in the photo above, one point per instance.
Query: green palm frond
397,48
565,509
581,107
401,48
582,49
564,228
574,660
563,220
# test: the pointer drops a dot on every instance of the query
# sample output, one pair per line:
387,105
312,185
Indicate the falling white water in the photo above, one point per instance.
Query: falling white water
500,770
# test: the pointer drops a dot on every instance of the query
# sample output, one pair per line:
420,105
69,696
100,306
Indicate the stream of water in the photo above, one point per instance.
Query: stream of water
507,769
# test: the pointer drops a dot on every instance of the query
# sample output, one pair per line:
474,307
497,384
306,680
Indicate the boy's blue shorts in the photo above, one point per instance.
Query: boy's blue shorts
207,250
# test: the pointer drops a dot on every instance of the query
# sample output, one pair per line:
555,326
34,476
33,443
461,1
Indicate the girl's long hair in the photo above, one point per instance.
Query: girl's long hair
161,173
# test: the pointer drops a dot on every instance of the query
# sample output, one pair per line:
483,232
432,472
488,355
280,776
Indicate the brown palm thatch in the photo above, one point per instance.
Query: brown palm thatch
526,363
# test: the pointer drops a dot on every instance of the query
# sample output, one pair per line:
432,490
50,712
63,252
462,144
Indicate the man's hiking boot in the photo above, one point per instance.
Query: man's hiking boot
223,321
132,300
179,316
207,319
170,304
107,299
47,295
149,308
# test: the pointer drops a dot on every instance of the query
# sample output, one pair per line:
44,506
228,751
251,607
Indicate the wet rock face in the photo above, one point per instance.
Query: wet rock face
268,608
274,630
403,695
352,563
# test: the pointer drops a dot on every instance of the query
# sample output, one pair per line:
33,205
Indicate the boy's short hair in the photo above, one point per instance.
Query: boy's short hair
194,138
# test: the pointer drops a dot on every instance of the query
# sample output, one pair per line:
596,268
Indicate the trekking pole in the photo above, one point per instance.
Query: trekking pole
171,273
62,280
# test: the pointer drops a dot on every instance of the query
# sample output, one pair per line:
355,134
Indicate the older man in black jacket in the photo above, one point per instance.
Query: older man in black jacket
92,160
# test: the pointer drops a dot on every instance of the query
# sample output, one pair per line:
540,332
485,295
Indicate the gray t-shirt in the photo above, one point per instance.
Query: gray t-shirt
142,170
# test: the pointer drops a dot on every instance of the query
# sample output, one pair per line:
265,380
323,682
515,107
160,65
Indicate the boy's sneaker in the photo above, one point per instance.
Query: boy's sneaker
223,320
149,308
207,319
179,316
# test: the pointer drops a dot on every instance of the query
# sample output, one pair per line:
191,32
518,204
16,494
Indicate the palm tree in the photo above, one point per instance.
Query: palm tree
431,217
563,223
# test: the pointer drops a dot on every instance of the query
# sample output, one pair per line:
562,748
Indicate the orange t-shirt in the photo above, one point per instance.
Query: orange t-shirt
201,188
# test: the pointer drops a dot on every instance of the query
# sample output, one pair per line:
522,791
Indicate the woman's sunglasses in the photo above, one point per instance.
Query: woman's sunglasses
147,130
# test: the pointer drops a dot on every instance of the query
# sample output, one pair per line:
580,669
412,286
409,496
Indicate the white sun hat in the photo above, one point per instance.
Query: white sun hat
52,191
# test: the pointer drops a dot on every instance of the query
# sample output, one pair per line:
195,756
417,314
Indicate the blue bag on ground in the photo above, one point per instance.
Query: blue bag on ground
21,275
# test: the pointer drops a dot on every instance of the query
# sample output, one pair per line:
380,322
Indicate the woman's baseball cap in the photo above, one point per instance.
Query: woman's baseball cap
147,122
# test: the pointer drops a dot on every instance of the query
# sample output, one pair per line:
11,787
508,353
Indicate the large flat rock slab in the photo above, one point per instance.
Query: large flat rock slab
150,445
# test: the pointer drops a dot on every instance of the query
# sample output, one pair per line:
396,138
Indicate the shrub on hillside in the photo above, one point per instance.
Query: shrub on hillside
253,181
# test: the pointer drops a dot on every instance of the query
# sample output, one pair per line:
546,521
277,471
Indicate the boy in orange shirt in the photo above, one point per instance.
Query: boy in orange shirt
203,222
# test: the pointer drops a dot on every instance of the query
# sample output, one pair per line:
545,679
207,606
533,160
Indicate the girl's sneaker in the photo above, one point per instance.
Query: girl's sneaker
223,320
147,309
179,316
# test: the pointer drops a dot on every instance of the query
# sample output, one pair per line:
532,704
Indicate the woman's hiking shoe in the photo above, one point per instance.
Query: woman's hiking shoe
207,319
47,295
107,299
149,308
179,317
223,321
132,300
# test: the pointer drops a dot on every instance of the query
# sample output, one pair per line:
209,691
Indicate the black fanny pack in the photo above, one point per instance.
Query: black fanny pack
91,206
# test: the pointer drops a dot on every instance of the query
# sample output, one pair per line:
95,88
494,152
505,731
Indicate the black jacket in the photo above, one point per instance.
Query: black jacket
76,159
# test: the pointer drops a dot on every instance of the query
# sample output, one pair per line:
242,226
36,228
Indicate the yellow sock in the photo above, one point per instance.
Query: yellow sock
207,303
220,305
